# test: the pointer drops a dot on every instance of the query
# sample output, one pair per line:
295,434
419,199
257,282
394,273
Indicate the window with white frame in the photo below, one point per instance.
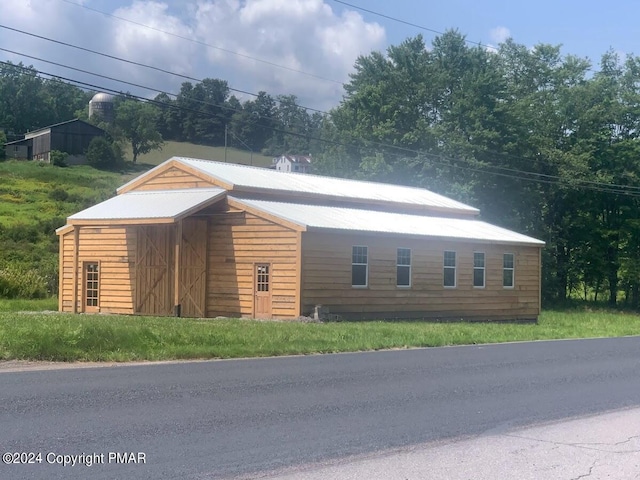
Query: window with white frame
359,266
508,278
449,269
478,269
403,267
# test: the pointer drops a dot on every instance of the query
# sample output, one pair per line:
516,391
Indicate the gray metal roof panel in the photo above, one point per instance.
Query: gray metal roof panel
149,204
352,219
255,177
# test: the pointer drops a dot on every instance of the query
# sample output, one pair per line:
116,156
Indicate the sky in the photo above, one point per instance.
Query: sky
302,47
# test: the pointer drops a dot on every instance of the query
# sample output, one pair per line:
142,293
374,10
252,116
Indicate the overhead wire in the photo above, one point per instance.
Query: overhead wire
405,22
518,172
131,62
66,44
205,44
434,159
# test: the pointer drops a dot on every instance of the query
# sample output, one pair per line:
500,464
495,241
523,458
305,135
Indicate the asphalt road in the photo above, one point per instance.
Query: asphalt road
235,418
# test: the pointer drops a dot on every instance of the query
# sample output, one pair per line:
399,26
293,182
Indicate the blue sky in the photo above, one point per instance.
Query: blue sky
584,28
301,47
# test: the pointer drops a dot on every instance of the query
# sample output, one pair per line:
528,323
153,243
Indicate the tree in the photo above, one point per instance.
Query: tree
254,123
103,154
136,123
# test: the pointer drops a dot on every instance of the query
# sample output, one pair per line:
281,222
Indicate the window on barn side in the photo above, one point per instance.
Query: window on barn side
508,265
449,270
403,267
359,266
478,269
91,286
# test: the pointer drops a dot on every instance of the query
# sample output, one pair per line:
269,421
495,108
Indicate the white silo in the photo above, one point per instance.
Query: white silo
102,105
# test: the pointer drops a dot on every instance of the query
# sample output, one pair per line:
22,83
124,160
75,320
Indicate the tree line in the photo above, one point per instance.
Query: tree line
204,113
543,143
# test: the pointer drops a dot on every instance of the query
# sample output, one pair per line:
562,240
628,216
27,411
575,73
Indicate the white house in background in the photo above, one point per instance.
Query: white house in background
292,163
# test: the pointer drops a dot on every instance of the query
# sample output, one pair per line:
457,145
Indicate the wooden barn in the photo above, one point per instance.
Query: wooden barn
203,239
72,137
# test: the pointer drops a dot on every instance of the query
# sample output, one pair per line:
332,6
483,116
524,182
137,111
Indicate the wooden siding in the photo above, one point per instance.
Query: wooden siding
326,279
173,178
237,242
114,249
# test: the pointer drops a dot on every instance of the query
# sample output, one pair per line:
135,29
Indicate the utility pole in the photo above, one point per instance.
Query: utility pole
226,127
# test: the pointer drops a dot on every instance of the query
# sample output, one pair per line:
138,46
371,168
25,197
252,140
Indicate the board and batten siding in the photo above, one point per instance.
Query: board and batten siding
114,250
238,241
326,279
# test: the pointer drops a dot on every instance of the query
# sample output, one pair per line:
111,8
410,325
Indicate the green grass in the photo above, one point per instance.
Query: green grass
28,305
185,149
27,191
61,337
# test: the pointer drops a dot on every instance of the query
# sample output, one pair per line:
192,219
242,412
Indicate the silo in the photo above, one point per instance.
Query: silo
102,105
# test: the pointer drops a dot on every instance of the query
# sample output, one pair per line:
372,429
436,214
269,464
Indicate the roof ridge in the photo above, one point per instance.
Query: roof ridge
306,175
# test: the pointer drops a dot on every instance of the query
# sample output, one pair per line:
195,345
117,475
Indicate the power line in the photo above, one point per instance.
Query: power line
98,88
405,22
208,45
502,154
438,160
113,57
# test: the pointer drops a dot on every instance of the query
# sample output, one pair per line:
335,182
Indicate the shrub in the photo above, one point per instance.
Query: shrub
103,154
21,282
57,158
58,194
22,232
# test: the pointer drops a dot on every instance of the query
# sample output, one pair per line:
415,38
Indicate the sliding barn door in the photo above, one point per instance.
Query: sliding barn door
193,267
154,270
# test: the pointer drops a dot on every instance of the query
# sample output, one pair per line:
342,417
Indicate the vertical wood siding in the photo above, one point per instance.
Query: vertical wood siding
326,271
236,243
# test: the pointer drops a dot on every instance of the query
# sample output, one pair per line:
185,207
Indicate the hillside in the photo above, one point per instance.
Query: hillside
184,149
36,198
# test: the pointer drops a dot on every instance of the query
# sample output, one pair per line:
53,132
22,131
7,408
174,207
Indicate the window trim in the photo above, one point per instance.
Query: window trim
483,268
512,269
454,268
404,265
85,289
366,266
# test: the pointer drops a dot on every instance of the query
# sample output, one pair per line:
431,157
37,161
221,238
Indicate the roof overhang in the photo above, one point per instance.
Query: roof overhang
148,207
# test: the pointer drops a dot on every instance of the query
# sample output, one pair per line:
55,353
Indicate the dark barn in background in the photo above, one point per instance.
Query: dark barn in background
71,137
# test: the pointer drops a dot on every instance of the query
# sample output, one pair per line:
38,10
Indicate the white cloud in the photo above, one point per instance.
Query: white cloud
272,42
499,34
303,35
151,37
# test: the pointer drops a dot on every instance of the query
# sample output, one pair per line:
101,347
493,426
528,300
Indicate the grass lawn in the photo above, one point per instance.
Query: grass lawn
61,337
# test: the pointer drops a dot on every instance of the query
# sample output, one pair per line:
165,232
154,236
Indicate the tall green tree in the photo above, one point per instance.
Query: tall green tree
136,122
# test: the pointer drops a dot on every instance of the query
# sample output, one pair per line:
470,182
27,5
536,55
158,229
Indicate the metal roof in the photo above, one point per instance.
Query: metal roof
361,220
267,179
150,204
